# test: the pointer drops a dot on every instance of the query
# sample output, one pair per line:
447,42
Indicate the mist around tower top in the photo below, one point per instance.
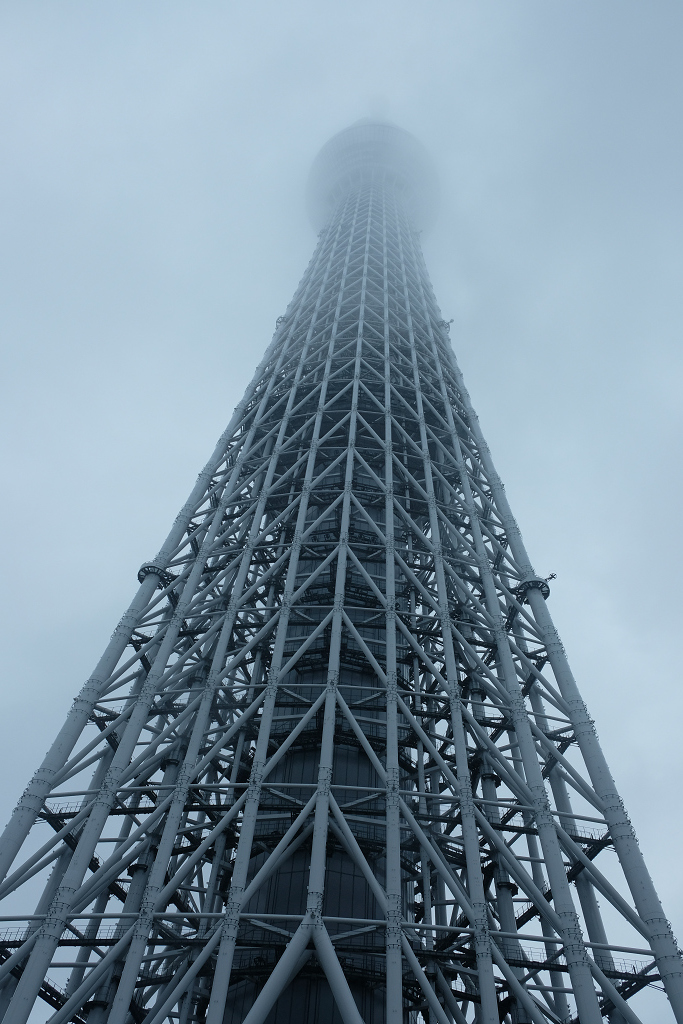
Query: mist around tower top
368,147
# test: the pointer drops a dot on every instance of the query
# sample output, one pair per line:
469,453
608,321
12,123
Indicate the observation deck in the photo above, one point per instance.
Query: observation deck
363,151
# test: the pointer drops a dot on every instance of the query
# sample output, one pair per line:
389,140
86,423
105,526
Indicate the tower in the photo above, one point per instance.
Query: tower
333,763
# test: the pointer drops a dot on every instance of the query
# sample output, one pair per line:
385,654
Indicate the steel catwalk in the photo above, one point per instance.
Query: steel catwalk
333,763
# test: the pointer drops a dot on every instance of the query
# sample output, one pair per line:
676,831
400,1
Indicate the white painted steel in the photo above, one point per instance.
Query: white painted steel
335,731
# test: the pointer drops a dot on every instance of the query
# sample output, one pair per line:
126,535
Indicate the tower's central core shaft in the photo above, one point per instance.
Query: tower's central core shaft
361,334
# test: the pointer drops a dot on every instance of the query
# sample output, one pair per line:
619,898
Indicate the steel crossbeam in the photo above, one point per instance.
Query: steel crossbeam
333,761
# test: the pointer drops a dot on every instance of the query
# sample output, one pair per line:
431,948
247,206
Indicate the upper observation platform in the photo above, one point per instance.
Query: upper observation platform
368,147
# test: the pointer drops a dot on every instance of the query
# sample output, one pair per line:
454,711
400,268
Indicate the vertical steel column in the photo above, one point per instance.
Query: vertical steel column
621,830
34,795
394,912
230,925
489,1002
573,940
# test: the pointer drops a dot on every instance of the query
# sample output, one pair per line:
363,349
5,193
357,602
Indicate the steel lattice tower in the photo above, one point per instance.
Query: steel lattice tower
333,764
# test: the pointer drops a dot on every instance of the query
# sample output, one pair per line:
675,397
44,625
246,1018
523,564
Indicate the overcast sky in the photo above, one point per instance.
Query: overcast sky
152,229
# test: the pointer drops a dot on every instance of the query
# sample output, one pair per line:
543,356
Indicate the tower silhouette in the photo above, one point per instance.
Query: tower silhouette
333,764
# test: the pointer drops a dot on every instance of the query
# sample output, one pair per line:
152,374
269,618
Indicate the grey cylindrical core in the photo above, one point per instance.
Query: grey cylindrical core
366,149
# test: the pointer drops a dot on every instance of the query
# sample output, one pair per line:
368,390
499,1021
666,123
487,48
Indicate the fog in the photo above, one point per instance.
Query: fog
153,228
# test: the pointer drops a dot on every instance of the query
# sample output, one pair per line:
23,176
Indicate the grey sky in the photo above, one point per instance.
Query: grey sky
153,227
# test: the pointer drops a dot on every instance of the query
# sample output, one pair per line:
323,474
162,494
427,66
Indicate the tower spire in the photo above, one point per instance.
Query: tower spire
333,763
